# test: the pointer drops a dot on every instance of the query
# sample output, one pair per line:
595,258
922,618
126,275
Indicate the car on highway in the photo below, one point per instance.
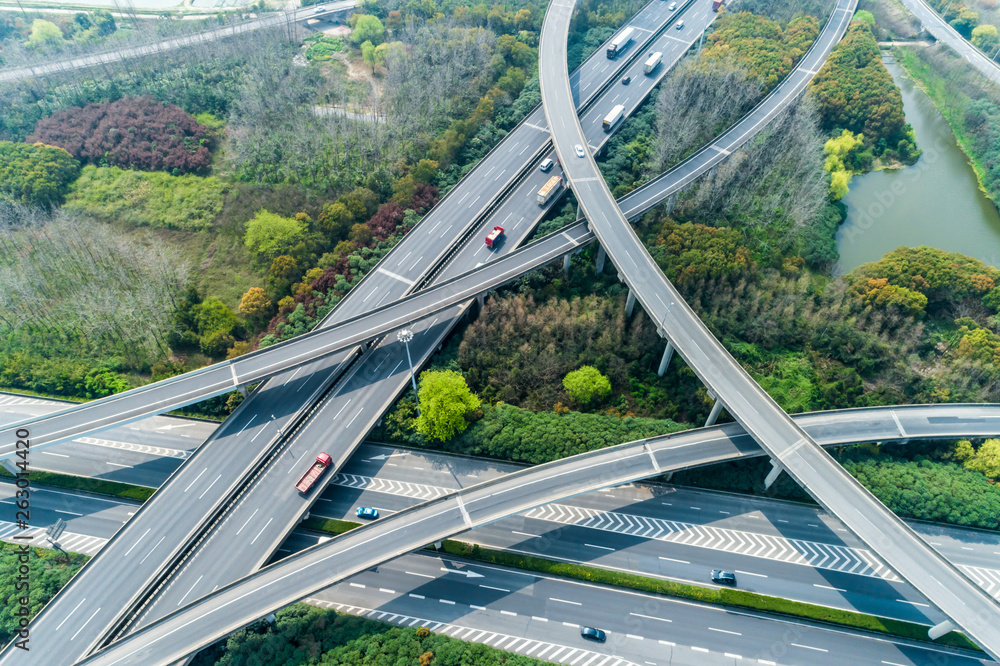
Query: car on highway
593,634
626,80
723,577
579,151
672,6
319,10
367,512
546,165
680,25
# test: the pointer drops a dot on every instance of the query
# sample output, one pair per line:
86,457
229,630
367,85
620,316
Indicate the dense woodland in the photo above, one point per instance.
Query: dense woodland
50,570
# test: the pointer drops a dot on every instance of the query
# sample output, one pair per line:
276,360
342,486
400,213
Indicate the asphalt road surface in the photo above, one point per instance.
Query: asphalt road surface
788,445
943,32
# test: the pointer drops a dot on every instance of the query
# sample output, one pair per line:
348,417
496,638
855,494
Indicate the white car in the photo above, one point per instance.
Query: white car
672,7
579,151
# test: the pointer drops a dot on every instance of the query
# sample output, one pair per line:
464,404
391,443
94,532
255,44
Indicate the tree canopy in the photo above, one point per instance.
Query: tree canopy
132,132
445,399
586,385
760,45
35,173
269,235
855,91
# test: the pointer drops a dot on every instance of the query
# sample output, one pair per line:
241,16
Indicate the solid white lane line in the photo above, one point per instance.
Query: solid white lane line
190,590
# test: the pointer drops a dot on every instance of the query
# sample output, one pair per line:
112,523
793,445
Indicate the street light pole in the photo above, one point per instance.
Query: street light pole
405,336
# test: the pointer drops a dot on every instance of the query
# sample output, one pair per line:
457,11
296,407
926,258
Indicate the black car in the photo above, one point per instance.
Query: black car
593,634
627,80
723,577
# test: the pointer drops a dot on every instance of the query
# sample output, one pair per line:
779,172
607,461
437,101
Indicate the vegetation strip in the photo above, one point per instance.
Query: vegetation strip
86,484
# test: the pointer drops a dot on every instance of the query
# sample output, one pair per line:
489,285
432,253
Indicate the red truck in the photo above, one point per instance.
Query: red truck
494,236
309,478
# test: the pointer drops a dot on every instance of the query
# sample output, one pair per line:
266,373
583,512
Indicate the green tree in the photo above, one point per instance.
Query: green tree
966,22
368,54
367,28
269,235
986,459
44,33
103,21
36,173
424,170
284,267
586,385
212,315
445,400
985,37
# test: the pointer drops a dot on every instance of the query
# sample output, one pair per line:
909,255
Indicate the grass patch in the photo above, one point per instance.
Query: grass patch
322,47
96,486
329,525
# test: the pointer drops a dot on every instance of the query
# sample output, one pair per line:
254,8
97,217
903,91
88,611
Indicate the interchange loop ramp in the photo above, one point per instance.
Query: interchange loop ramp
788,445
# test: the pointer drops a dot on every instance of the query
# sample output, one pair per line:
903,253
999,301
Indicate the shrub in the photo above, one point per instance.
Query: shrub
269,235
445,399
586,385
132,132
35,173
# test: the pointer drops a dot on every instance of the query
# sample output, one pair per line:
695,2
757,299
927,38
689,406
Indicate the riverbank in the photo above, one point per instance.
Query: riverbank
951,101
938,202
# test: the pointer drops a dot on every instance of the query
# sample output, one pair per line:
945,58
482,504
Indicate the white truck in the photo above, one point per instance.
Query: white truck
619,43
652,62
613,118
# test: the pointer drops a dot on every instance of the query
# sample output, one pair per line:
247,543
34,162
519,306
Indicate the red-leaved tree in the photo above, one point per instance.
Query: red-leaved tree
133,132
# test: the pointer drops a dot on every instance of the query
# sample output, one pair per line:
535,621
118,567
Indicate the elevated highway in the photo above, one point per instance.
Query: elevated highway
235,466
97,59
943,32
220,613
790,448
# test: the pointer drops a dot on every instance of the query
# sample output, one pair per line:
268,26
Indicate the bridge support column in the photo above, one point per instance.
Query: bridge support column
714,414
629,303
668,354
481,301
773,475
271,619
566,261
243,390
939,630
601,255
438,545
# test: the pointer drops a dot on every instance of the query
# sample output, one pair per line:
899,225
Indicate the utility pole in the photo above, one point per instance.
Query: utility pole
405,336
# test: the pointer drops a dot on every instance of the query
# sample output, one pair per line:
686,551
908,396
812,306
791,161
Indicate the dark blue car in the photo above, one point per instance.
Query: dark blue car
593,634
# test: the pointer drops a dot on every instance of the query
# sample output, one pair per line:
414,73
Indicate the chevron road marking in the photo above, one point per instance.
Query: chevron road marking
551,652
400,488
11,400
135,448
68,541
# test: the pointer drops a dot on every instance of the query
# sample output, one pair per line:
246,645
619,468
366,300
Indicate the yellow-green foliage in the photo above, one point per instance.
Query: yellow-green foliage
445,399
35,173
760,44
837,149
985,460
148,198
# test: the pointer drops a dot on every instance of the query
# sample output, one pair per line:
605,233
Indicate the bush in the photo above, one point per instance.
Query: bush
50,571
36,173
269,235
445,400
586,385
132,132
153,199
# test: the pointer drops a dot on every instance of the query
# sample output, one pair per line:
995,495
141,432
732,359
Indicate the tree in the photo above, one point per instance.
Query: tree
368,54
985,36
586,385
284,267
424,170
380,54
367,28
269,235
103,21
986,459
255,304
335,220
445,399
132,132
44,33
36,173
360,235
966,22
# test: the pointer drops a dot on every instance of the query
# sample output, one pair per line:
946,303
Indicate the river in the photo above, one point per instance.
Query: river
936,202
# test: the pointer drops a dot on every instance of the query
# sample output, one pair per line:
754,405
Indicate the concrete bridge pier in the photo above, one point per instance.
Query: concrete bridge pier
773,475
714,414
629,304
566,260
601,256
668,354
